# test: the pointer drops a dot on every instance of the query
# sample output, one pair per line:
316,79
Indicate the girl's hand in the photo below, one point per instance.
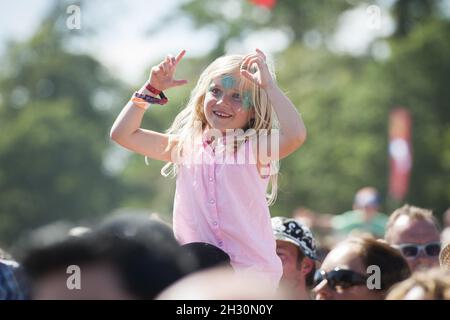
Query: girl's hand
259,72
162,75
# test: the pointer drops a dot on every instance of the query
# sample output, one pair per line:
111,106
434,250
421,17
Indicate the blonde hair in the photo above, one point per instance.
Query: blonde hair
433,284
412,212
185,127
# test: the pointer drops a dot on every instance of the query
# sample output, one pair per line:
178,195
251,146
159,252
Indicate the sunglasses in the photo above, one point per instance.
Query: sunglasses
338,277
411,250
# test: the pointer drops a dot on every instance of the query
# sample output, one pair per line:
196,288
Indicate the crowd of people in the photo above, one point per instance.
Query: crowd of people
224,148
136,256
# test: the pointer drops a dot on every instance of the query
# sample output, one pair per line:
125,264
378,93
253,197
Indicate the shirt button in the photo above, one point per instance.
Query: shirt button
212,201
215,223
220,243
211,179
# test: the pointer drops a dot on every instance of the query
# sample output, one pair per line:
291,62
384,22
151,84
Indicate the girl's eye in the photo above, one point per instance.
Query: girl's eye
215,91
236,97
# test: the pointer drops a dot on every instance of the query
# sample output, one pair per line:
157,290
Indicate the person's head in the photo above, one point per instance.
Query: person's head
132,259
296,248
207,255
13,283
367,199
220,284
446,218
223,100
444,256
359,269
415,232
221,90
432,284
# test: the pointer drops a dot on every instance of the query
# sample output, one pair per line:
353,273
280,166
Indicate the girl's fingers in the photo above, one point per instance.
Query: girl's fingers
167,64
252,62
245,62
165,69
247,75
261,53
180,56
172,60
247,56
166,60
262,67
179,82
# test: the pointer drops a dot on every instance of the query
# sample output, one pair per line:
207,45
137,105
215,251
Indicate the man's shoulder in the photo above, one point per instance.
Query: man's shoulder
346,218
351,214
381,217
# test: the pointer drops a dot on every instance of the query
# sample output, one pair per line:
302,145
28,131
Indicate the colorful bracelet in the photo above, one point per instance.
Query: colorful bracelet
140,103
152,89
151,99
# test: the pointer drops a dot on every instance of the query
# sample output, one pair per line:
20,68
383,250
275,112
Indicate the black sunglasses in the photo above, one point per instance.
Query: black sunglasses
338,277
411,250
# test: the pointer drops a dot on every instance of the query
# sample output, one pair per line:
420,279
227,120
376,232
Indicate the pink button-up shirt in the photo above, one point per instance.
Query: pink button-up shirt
225,205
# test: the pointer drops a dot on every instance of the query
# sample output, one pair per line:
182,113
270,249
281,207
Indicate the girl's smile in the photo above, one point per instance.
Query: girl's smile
224,107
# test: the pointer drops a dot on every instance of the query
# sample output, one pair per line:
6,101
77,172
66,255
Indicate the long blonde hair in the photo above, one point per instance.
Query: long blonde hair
185,128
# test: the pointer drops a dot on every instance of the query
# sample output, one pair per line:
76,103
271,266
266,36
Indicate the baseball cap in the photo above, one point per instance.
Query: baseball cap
290,230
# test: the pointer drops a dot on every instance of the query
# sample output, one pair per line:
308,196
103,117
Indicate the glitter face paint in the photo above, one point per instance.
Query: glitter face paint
228,82
247,100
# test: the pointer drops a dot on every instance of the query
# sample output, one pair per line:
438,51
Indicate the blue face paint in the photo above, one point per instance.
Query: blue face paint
247,100
228,82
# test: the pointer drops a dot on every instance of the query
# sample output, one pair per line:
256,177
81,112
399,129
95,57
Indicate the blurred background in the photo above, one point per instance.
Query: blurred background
370,78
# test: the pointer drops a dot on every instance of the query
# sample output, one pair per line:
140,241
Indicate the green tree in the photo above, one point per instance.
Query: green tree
417,75
235,19
345,114
55,134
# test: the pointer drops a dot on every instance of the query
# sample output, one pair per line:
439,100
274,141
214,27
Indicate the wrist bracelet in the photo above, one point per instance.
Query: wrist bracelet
151,99
152,89
140,103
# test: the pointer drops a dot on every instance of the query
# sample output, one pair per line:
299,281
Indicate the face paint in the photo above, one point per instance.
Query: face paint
247,100
228,82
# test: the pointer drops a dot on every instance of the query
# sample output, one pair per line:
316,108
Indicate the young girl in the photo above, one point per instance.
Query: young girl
221,202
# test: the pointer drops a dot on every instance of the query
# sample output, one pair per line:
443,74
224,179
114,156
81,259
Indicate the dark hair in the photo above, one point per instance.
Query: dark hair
309,278
393,266
143,251
207,255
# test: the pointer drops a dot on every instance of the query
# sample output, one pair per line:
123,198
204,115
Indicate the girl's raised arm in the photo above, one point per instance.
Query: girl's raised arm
126,129
292,132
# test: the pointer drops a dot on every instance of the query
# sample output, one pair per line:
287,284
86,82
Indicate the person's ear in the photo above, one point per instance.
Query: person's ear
307,265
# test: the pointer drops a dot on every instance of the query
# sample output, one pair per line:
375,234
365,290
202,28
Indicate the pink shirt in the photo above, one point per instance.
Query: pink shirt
225,205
